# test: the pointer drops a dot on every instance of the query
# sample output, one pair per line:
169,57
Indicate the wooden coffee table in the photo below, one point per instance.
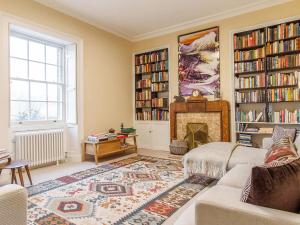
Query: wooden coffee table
18,165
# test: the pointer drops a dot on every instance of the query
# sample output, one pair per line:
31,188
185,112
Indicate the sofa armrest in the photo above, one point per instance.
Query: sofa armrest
215,213
13,205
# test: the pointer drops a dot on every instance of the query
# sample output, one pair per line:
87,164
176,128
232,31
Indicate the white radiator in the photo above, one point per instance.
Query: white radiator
40,147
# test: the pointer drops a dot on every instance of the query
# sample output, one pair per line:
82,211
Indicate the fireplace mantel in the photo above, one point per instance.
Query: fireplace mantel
221,107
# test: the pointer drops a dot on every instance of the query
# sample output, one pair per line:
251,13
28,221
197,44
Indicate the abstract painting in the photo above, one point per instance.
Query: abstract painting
199,62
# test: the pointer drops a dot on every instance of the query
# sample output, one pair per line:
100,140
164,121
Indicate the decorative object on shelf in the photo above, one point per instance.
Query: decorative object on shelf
267,75
199,62
179,99
111,130
152,85
178,147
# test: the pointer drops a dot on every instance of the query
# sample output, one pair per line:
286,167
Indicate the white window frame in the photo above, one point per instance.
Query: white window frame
63,84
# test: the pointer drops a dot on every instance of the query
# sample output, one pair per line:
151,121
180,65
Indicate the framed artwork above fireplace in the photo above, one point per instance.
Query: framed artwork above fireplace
199,62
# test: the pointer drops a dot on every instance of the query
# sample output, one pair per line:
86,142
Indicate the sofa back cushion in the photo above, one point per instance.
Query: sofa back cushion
280,132
281,150
275,185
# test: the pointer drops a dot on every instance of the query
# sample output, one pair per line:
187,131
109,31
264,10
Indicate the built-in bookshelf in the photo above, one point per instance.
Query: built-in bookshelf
152,85
267,80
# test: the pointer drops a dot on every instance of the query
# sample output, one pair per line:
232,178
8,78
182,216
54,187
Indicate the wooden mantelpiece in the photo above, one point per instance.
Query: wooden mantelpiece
221,107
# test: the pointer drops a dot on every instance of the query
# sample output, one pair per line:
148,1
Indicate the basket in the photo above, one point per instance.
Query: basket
178,147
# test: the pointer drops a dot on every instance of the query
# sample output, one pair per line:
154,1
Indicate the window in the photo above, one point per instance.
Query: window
39,81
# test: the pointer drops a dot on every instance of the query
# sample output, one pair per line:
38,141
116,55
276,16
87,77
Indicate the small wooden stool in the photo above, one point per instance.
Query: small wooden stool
17,165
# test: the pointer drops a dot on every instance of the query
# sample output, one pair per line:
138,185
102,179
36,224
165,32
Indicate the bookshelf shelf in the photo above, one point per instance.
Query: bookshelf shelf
266,95
151,78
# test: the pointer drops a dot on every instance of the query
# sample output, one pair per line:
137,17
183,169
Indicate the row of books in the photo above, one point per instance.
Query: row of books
285,116
282,79
250,116
250,82
281,62
283,46
283,31
144,95
245,140
160,114
159,87
248,40
143,104
160,102
249,55
145,115
151,57
151,67
249,66
250,96
145,83
161,76
283,94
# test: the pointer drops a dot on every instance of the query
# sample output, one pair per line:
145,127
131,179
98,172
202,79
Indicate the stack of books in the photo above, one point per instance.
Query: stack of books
145,83
245,140
101,137
144,95
160,76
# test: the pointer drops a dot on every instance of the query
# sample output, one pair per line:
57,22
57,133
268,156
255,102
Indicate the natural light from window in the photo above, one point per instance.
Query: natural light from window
37,80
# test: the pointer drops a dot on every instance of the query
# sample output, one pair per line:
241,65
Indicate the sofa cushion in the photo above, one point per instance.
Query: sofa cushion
275,185
247,155
280,132
281,150
237,176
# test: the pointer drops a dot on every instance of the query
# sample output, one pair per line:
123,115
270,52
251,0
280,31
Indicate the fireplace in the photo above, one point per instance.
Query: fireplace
214,113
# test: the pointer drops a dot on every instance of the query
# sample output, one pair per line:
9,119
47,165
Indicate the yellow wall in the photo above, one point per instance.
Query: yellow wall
226,27
106,62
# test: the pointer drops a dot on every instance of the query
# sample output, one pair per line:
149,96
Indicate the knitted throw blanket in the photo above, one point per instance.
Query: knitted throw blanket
210,159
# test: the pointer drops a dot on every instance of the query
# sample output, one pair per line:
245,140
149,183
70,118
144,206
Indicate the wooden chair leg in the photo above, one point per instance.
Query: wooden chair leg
21,176
28,174
13,176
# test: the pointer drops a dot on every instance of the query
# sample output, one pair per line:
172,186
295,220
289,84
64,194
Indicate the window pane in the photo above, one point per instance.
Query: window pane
51,55
19,90
18,68
38,111
38,91
52,111
60,111
52,92
18,47
19,111
36,71
51,73
36,51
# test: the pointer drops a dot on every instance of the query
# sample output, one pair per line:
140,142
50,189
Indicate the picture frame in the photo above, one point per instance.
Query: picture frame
199,62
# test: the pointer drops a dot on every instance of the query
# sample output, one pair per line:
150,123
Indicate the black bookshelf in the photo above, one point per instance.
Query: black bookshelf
269,48
152,82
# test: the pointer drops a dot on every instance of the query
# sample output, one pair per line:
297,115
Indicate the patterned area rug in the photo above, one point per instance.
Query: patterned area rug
138,190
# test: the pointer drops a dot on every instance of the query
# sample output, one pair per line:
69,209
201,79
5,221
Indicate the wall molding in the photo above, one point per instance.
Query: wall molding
174,28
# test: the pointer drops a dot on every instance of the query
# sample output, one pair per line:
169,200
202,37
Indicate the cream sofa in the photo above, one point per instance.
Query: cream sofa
221,205
13,205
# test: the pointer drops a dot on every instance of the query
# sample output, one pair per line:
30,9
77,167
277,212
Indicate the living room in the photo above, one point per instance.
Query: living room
150,112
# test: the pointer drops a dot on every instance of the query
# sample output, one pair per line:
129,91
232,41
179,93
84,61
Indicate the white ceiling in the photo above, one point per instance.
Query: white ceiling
141,19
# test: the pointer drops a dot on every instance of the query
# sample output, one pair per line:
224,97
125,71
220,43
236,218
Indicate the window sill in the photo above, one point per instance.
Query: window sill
37,126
